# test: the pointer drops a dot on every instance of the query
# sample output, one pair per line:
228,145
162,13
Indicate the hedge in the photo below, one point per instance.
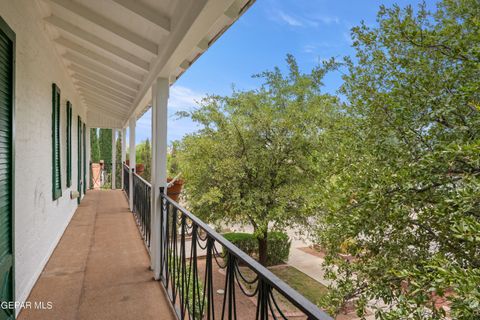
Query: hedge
278,245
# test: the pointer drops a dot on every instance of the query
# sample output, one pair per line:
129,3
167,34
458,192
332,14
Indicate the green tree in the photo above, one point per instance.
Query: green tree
118,160
399,183
105,145
250,162
173,165
143,153
94,147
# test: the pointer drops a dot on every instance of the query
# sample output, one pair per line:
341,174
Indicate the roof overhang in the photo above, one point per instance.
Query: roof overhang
115,49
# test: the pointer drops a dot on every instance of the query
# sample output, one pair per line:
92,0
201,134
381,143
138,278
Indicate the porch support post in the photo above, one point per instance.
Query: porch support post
131,159
160,93
124,152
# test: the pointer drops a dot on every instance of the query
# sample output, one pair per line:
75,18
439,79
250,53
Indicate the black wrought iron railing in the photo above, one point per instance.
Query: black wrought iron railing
126,179
141,206
207,277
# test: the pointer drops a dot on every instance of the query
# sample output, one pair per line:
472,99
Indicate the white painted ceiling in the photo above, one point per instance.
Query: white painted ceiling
115,49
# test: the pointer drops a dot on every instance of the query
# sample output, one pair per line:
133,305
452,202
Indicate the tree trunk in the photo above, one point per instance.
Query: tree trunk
262,250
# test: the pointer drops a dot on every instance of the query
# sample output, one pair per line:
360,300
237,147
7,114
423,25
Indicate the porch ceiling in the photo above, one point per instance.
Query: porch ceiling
115,49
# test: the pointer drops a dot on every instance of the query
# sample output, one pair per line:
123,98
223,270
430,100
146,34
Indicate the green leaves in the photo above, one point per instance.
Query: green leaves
402,178
251,161
143,155
389,181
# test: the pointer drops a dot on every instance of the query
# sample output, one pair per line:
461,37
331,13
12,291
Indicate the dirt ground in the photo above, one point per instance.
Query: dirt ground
245,306
313,252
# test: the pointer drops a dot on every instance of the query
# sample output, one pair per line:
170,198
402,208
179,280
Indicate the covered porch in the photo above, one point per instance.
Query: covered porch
135,253
100,269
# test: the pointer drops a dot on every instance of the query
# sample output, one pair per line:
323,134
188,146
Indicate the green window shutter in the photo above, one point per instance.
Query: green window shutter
69,144
7,164
56,168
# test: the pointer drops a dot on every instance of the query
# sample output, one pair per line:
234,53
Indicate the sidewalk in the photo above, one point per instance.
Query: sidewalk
311,265
307,263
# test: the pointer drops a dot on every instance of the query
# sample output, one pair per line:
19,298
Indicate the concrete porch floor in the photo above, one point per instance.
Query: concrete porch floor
100,268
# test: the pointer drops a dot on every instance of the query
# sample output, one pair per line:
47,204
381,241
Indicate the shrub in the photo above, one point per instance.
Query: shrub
244,241
278,245
196,299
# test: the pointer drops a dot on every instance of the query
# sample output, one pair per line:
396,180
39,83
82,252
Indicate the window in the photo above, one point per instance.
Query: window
69,144
56,168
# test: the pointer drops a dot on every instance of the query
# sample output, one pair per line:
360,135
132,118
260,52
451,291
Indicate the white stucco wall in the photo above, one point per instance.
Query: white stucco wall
39,221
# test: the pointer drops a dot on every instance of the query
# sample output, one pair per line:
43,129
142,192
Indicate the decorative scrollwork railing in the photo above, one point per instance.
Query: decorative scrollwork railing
126,179
142,191
207,277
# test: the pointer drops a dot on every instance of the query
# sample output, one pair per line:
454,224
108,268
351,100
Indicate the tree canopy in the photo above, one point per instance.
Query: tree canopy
143,154
118,160
386,176
251,161
105,145
398,185
94,146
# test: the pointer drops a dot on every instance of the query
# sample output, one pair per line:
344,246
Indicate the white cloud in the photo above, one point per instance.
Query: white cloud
183,98
316,46
327,19
289,19
178,128
301,19
309,48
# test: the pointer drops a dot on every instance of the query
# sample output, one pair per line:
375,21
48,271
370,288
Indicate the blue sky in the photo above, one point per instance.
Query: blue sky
311,30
